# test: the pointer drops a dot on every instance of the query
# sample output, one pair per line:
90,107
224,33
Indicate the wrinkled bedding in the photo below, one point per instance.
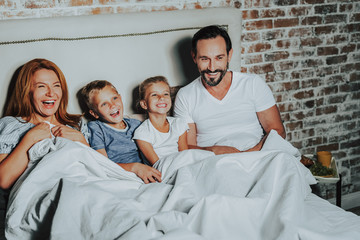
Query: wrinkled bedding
70,191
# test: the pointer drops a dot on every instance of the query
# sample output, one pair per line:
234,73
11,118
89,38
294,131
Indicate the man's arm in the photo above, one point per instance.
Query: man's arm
270,119
192,143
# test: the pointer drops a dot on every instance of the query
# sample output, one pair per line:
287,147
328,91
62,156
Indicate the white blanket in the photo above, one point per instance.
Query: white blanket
72,192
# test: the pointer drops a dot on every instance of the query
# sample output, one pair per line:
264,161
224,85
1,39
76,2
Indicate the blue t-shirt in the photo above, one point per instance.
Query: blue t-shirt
117,143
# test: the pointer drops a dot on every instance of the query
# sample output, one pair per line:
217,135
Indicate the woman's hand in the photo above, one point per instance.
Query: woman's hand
69,133
146,173
37,133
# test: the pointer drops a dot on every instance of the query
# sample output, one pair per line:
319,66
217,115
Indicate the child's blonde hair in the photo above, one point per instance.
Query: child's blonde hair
92,87
149,81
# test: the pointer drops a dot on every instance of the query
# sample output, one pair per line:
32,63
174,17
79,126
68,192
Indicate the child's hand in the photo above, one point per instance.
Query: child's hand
146,173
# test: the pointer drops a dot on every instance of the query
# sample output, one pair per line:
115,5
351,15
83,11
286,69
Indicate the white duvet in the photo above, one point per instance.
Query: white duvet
72,192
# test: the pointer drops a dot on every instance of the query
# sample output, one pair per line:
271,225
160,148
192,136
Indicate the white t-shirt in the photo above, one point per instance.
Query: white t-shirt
233,117
163,143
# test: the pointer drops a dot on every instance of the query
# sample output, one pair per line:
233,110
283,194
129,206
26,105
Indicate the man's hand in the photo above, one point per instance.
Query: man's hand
218,150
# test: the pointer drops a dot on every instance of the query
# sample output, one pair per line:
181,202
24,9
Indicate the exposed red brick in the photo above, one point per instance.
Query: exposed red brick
314,41
275,56
325,29
289,22
300,32
336,99
350,87
321,51
311,83
299,11
339,18
349,28
314,20
254,59
312,63
261,69
313,141
330,147
354,76
337,39
39,4
271,13
287,86
326,110
274,34
303,53
304,94
345,68
328,91
346,7
250,37
250,14
326,71
102,10
336,59
276,77
294,125
257,25
285,65
259,47
348,48
336,79
81,3
303,73
283,43
312,1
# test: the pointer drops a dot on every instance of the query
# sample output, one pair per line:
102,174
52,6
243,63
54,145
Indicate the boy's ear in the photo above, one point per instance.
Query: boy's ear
143,104
93,114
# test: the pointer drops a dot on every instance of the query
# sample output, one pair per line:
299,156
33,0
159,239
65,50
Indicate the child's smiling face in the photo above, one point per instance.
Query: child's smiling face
157,98
108,106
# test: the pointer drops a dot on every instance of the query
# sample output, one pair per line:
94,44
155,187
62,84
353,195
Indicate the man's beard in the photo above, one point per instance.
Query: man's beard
213,81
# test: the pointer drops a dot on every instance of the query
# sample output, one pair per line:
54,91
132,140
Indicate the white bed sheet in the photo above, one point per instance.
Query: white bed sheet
73,192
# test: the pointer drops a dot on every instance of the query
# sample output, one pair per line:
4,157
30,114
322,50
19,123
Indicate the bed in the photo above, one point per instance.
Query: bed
70,191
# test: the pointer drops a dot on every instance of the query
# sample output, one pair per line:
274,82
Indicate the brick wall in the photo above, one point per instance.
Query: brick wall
307,50
309,53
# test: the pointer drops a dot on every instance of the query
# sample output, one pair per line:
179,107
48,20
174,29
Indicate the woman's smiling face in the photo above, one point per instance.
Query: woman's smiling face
46,92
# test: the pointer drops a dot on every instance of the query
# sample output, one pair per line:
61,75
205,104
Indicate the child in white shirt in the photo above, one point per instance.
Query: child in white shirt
159,135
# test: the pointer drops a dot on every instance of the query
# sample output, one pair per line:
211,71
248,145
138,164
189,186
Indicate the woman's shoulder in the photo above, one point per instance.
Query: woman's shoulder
9,123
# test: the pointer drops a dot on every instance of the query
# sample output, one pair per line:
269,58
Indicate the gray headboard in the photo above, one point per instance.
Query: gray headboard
122,48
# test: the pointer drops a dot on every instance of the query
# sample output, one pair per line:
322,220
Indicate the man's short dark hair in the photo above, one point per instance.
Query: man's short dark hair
210,32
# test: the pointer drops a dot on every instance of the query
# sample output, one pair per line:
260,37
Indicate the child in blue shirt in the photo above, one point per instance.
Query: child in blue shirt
111,133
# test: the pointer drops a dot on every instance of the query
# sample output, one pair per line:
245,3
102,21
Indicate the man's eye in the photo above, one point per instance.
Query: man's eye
115,98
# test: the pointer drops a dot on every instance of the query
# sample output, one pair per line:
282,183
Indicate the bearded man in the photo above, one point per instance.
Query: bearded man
226,111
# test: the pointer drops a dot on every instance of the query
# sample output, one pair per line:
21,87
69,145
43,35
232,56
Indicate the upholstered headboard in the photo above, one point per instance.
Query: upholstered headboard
122,48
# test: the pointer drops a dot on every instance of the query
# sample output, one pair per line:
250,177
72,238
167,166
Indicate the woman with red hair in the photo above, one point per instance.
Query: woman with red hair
36,110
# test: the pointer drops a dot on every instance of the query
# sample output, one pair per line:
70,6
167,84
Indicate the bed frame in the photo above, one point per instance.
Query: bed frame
124,49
